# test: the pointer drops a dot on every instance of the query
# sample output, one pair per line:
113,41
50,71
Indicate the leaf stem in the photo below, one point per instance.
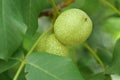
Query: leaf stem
111,6
52,2
56,11
19,70
95,55
30,51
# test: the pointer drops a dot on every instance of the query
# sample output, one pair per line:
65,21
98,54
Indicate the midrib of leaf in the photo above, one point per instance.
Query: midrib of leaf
45,71
3,25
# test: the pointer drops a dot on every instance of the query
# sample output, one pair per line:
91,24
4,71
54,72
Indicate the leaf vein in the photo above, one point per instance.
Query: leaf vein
45,71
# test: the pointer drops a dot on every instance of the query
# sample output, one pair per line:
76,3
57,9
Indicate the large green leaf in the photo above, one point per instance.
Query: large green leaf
30,11
17,17
11,27
43,66
115,66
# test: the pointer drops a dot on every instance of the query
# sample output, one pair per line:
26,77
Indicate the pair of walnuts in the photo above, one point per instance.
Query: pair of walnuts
72,27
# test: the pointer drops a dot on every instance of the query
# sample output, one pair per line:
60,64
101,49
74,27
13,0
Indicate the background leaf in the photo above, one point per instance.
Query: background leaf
17,17
112,26
43,66
30,12
115,66
11,62
12,28
100,76
4,77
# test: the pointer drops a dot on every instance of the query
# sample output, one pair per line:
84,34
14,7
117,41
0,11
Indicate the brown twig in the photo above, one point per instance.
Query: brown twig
64,4
49,12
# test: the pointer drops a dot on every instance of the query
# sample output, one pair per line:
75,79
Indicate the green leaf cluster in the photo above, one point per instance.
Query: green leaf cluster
19,31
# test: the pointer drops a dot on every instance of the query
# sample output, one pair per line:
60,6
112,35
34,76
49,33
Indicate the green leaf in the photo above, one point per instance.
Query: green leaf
115,66
13,61
5,65
85,70
12,71
105,55
117,4
43,66
112,25
100,76
30,11
4,77
12,27
17,17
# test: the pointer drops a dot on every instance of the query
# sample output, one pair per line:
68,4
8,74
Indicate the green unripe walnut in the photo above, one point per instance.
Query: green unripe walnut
41,46
54,46
72,27
50,44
